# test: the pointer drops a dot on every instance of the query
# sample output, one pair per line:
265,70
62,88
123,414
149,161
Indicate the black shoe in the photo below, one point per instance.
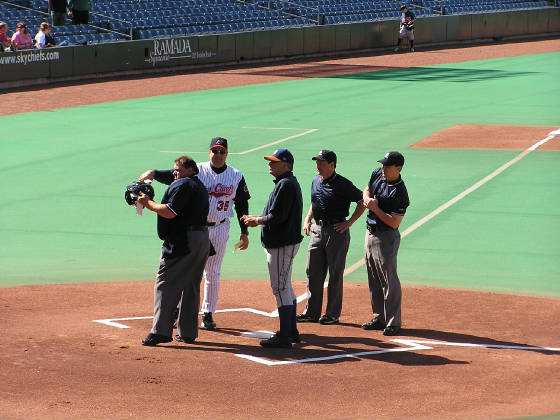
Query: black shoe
328,320
295,336
277,341
188,340
391,330
207,322
155,339
374,324
306,318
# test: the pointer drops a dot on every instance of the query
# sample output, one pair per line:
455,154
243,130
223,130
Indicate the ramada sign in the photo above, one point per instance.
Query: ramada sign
168,49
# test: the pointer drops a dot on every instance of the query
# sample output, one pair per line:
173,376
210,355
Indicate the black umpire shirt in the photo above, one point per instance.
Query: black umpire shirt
392,198
241,200
187,198
282,214
331,197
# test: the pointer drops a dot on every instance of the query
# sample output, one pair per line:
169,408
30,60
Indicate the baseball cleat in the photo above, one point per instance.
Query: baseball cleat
152,340
306,318
396,49
207,322
391,330
277,341
188,340
374,324
296,338
328,320
412,49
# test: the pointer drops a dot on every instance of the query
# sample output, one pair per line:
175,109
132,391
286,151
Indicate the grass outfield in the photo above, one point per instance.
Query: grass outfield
64,219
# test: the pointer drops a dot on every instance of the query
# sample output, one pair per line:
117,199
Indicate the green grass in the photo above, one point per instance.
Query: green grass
64,219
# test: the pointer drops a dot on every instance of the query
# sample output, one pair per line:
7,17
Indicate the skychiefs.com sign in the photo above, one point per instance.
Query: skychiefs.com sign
168,49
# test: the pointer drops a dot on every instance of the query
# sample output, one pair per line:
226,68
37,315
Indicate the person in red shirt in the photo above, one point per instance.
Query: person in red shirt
5,42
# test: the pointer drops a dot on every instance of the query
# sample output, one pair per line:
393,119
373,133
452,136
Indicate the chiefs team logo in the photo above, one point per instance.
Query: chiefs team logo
220,190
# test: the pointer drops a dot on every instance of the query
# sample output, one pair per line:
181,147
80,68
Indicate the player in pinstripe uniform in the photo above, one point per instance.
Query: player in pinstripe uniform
227,191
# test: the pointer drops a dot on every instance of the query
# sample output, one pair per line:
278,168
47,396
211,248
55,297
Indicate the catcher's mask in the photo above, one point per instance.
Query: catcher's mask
133,191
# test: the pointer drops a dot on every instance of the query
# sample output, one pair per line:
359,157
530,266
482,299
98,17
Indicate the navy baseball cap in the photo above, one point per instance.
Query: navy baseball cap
403,6
392,159
327,155
218,142
281,155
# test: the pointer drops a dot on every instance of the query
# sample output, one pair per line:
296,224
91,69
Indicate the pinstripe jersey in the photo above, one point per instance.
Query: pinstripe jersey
222,189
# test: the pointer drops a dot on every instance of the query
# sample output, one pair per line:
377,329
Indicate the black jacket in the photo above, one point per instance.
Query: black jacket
281,217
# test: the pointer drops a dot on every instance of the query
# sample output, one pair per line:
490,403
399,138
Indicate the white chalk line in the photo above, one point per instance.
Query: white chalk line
460,196
412,345
244,152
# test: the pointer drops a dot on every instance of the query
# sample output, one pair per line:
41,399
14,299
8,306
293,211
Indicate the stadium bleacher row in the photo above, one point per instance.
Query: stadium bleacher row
112,20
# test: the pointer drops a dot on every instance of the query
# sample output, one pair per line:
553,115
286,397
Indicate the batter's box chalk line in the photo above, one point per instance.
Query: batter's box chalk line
405,344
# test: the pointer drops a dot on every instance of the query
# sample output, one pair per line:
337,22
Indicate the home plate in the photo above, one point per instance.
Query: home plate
257,334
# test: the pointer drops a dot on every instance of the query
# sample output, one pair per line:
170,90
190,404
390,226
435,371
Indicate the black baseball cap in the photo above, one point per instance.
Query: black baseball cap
281,155
327,155
392,159
218,142
403,7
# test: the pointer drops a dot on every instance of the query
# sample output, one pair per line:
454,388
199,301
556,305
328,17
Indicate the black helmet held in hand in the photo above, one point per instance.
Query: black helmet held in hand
133,191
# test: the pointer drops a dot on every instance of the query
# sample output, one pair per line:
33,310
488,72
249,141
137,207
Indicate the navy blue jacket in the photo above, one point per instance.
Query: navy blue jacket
281,217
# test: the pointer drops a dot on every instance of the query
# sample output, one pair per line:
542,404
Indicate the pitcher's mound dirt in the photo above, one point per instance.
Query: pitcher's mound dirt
497,137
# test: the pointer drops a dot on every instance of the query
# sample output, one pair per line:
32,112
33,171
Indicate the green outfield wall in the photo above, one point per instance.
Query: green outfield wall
43,66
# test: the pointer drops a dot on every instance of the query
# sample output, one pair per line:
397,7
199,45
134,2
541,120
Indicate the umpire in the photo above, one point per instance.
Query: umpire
386,198
331,195
281,237
181,224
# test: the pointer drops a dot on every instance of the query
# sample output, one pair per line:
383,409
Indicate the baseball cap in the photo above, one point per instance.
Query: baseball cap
218,142
281,155
392,159
403,6
327,155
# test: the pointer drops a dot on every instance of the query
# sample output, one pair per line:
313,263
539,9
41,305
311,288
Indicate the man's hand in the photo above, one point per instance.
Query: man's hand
143,199
342,226
372,203
148,175
307,227
245,239
251,221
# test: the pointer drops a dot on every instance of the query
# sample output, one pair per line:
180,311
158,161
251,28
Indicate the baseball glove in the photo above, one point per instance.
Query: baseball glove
133,192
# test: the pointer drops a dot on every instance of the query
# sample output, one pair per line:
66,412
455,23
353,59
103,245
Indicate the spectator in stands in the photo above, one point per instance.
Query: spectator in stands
5,42
21,40
43,38
80,11
58,9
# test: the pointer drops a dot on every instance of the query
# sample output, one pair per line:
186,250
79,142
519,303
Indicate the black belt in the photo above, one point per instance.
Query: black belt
378,228
325,222
216,223
197,228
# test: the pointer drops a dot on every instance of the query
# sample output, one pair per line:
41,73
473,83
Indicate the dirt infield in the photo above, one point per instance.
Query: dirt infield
67,95
60,364
495,137
465,354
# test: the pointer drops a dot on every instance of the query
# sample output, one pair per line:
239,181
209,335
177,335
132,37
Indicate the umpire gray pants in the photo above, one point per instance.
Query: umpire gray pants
280,261
327,251
176,277
381,248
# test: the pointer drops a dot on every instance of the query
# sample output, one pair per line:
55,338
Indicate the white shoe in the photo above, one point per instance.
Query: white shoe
412,50
396,49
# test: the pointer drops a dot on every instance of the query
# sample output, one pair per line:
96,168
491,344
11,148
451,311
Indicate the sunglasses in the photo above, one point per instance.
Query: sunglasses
218,151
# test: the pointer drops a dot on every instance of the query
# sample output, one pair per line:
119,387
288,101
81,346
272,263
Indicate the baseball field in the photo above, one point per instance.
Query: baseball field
479,127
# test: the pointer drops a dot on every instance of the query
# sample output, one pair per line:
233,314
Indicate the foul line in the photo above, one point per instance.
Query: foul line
462,195
244,152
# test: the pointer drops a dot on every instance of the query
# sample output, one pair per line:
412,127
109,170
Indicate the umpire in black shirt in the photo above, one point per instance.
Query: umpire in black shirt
181,224
281,237
331,195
